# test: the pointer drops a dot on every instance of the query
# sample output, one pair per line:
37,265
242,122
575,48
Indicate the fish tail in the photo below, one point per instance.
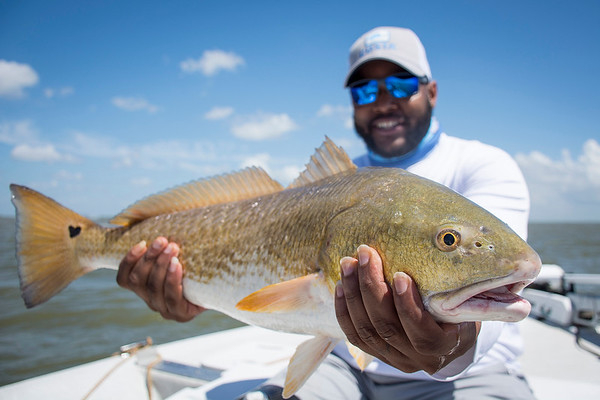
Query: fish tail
46,237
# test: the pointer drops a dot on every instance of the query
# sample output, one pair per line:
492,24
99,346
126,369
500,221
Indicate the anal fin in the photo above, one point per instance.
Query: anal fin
362,359
307,358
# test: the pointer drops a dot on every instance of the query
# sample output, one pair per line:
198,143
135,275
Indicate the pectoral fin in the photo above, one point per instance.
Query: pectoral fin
362,359
281,297
305,361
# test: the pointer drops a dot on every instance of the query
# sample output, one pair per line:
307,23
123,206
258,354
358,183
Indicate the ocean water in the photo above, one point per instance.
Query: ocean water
92,317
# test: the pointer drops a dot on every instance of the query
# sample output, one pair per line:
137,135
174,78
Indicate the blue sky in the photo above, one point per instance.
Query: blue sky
103,103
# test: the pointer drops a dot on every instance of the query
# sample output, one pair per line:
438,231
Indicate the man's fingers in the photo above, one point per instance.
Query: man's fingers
177,306
368,303
348,266
425,334
352,316
391,322
377,296
128,262
157,247
156,276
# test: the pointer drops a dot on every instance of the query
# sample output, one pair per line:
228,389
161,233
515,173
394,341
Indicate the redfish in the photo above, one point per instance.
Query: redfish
270,256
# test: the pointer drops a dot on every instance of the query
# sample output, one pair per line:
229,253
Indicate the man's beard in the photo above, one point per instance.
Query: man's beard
413,138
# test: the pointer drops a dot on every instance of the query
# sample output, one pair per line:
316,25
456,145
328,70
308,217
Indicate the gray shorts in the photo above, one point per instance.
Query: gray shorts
335,379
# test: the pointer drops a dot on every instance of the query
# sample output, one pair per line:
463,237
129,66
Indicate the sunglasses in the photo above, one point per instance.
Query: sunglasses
400,86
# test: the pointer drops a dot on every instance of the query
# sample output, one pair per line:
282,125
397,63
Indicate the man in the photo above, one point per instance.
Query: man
393,94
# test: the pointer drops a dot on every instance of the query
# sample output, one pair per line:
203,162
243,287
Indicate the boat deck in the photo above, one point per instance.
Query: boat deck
234,361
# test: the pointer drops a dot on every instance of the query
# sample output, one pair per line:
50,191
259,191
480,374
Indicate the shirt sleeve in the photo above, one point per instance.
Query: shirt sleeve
494,181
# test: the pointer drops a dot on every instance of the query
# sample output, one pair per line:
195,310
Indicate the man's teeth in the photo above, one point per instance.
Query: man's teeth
385,124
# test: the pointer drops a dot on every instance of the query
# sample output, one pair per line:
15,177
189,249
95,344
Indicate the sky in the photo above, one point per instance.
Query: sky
104,103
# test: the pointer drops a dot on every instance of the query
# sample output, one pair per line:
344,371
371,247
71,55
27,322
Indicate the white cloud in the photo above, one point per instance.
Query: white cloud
564,189
134,104
153,156
61,92
211,62
219,113
257,160
349,123
288,173
86,145
343,113
284,174
328,110
94,146
263,126
143,181
68,176
591,161
36,153
15,77
18,132
27,145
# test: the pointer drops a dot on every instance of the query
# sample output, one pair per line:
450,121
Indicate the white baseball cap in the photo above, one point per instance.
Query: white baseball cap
398,45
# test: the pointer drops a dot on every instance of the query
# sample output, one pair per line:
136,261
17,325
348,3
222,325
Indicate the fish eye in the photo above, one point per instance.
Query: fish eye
448,239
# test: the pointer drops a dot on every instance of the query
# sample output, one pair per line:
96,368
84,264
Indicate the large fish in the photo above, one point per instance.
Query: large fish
270,256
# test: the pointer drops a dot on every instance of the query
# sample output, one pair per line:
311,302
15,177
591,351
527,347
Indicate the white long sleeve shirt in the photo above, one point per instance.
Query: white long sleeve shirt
491,178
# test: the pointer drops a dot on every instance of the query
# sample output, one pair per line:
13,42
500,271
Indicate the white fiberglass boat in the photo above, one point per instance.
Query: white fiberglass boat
562,358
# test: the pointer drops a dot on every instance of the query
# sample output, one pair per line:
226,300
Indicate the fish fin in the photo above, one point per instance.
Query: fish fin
46,236
307,358
362,359
245,184
328,160
280,297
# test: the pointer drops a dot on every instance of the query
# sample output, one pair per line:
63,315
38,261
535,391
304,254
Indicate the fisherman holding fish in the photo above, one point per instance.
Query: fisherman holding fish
393,94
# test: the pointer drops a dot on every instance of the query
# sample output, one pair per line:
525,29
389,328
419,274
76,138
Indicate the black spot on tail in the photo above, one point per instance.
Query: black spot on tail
74,231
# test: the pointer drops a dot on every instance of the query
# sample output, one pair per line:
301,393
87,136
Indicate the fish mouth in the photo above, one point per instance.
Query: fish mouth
494,299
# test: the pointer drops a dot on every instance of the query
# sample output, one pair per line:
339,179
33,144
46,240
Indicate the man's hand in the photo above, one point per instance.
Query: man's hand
391,323
155,274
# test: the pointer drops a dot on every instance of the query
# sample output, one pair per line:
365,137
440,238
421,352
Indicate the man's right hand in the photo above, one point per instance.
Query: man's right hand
391,323
155,274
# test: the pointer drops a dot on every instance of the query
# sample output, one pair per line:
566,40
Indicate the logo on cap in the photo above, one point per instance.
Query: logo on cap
377,37
378,40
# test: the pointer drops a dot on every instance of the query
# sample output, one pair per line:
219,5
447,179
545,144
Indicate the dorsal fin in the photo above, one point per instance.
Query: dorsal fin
245,184
328,160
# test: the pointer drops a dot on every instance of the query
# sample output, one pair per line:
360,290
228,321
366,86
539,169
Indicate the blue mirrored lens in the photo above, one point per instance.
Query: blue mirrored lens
402,87
399,87
365,93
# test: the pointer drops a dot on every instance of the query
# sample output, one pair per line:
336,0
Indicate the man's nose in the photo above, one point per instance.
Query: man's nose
384,101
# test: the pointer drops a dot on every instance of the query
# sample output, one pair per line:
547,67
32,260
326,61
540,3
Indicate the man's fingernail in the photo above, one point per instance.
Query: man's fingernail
400,282
157,244
363,255
173,264
339,290
139,248
346,264
169,249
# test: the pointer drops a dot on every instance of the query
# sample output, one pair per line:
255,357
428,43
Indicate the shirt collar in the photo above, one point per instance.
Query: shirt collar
428,142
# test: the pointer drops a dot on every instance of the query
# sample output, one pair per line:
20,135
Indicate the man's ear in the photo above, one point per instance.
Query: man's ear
432,93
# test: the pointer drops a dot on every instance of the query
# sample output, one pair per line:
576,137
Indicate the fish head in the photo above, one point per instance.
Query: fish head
467,264
484,268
